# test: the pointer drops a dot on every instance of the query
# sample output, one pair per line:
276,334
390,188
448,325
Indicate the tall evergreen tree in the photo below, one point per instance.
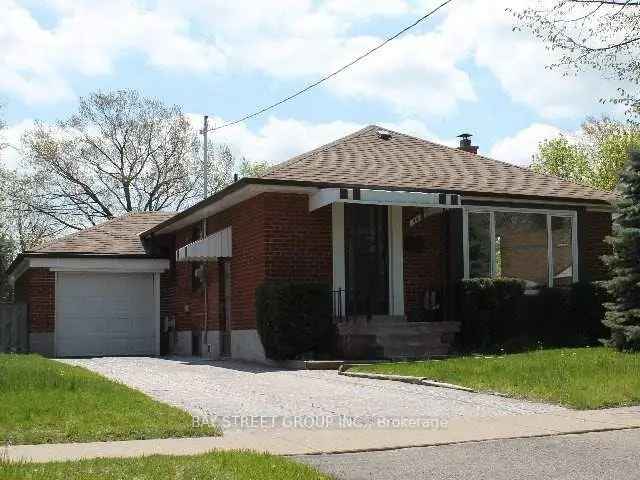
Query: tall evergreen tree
623,312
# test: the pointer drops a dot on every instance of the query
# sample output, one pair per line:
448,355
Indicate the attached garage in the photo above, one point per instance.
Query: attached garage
94,293
105,314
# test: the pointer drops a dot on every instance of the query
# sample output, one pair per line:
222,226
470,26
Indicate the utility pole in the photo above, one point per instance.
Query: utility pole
205,157
205,179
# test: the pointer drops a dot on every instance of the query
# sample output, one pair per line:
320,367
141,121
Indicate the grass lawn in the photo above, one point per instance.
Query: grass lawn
216,465
582,378
44,401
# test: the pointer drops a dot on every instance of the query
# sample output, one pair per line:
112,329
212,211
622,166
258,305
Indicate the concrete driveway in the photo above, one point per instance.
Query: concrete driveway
235,389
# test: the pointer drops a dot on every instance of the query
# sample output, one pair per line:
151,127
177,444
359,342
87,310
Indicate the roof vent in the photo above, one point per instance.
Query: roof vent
384,134
465,143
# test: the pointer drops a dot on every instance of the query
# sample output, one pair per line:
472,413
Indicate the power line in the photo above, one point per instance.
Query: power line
333,74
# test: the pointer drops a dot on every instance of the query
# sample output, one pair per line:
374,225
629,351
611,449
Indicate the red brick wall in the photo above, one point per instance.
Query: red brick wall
422,260
248,260
36,287
167,295
274,237
298,242
188,305
597,225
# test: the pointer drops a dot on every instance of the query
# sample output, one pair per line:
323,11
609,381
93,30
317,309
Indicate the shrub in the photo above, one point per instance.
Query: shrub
588,301
294,318
488,311
496,315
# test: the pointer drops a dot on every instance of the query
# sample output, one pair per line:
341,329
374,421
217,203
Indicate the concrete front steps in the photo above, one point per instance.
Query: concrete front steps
396,339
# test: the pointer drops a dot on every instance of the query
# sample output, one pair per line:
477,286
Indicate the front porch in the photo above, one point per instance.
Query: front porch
396,267
398,258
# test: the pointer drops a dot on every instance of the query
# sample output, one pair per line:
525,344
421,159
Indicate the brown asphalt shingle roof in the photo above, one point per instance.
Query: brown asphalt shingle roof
120,236
406,162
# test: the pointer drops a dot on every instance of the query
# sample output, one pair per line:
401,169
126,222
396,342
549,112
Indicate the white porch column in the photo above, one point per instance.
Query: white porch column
337,241
396,259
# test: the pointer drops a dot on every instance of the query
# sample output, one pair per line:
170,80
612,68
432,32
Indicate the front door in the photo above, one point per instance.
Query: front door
225,310
366,256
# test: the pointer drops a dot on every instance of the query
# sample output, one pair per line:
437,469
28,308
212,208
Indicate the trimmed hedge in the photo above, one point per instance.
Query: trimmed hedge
295,319
496,315
489,308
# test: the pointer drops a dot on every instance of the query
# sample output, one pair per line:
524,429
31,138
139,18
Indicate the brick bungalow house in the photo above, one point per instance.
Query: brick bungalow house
391,221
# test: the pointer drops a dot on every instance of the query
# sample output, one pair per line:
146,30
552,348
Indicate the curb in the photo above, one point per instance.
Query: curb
405,379
463,442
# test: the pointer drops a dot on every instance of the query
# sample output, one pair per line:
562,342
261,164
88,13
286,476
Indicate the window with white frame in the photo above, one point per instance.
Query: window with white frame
538,247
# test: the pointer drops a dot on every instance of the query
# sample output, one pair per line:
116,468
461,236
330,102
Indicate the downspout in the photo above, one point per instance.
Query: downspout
205,169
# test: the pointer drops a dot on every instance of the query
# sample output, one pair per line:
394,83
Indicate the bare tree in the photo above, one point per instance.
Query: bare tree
253,169
120,152
602,35
221,166
3,125
27,226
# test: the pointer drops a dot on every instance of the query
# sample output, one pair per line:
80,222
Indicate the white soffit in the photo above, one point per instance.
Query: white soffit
91,264
327,196
214,246
228,201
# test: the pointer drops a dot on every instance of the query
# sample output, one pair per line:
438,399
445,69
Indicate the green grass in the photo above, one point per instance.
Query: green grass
216,465
44,401
582,378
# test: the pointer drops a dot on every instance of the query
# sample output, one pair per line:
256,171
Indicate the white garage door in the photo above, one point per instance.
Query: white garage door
105,314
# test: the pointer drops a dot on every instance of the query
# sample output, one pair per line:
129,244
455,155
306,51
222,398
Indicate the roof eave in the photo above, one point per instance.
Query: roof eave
24,255
244,182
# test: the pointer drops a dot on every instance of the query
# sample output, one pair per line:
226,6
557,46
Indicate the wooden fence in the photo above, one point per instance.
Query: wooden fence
14,336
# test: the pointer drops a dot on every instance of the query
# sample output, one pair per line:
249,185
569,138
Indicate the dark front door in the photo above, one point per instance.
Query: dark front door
366,258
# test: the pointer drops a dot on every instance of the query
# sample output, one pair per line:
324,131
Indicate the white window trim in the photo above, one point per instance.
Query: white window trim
549,214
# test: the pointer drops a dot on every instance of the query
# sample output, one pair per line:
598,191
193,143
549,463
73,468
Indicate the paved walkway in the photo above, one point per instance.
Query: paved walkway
283,441
231,388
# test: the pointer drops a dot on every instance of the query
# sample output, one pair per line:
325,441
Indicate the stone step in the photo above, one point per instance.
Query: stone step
398,339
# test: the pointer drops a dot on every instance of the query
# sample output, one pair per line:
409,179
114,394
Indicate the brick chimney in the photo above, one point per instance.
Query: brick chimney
465,143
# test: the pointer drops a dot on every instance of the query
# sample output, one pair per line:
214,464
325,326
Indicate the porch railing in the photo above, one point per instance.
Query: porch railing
338,299
348,304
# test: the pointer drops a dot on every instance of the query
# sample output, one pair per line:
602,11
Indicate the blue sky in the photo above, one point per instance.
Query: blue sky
463,70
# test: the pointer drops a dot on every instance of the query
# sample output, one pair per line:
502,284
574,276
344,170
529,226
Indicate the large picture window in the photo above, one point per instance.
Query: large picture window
521,247
537,247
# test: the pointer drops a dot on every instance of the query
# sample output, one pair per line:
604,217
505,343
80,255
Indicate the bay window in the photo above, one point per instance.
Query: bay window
538,247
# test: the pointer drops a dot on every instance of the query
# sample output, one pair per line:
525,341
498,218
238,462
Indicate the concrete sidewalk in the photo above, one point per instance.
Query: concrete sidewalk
282,441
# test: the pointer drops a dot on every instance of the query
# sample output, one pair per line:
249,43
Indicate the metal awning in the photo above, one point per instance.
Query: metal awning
327,196
212,247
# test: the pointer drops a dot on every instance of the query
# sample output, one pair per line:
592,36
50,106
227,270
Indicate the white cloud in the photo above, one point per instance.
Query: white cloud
410,83
279,139
520,147
10,157
87,39
484,32
419,73
424,72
